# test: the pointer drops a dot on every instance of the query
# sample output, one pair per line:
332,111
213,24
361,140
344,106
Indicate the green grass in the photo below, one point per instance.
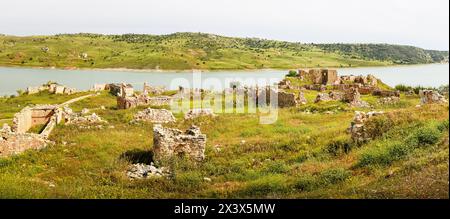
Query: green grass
182,51
299,156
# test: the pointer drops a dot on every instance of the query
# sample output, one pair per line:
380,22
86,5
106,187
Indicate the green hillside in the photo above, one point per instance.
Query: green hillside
181,51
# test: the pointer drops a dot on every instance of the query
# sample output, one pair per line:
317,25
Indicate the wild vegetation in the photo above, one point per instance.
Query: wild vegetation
306,153
181,51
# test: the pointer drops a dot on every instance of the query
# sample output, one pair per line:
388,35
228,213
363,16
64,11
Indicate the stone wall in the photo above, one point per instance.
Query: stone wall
386,93
357,128
430,96
319,76
15,143
353,97
286,99
168,142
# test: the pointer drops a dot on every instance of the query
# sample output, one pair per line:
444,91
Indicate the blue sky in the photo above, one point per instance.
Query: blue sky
423,23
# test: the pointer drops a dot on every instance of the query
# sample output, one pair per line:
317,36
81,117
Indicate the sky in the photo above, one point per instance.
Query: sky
422,23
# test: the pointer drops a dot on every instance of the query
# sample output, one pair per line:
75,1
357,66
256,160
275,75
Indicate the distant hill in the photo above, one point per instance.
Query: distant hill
181,51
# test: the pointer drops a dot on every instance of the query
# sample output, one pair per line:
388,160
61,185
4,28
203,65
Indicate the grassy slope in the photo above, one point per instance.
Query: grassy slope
293,158
190,51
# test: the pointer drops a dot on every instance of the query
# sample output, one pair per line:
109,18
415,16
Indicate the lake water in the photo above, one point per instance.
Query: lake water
13,79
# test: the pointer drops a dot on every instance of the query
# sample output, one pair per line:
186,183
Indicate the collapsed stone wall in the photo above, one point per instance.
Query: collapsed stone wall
353,97
169,142
31,116
142,100
52,88
430,97
286,99
195,113
357,129
154,116
14,143
319,76
386,93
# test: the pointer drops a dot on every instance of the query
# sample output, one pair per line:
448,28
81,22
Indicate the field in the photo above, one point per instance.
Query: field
186,51
306,153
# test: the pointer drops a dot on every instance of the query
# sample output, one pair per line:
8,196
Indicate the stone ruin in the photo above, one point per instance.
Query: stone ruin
52,88
357,128
170,142
143,171
120,90
195,113
130,100
389,100
286,99
386,93
319,76
322,97
332,95
154,116
353,97
82,118
430,96
154,90
301,98
16,139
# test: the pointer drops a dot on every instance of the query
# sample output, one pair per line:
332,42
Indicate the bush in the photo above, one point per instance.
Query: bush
306,183
393,151
339,146
292,73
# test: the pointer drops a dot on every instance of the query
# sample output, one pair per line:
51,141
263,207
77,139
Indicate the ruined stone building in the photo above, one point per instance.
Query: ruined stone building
169,142
16,139
319,76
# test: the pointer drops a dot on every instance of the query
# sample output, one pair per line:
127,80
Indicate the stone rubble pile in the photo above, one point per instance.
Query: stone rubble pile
430,97
389,100
81,118
143,171
199,112
154,116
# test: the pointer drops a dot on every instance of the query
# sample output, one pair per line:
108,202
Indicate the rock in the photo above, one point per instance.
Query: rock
84,111
154,116
301,98
389,100
207,179
430,97
143,171
195,113
102,107
322,97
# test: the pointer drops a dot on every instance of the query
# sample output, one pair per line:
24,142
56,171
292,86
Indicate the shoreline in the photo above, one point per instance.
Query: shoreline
203,70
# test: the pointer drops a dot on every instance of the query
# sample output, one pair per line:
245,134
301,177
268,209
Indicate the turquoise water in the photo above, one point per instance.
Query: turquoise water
13,79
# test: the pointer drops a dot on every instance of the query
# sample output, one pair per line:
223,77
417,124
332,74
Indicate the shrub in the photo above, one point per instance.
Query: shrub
306,183
292,73
423,136
443,126
276,167
339,146
332,176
